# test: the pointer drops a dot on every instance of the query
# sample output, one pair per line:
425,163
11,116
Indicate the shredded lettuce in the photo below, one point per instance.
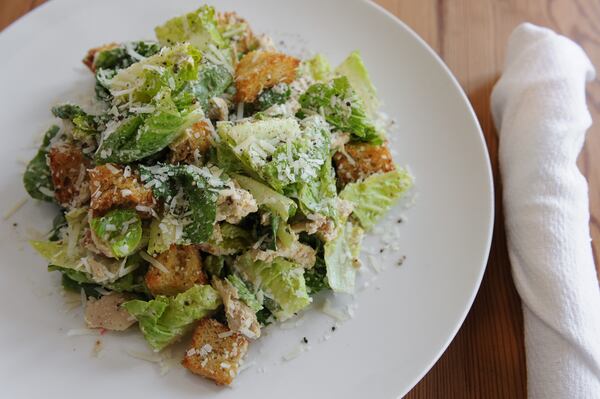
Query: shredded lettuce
280,280
375,195
164,320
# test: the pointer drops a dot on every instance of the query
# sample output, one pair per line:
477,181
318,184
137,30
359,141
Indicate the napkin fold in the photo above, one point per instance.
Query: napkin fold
539,107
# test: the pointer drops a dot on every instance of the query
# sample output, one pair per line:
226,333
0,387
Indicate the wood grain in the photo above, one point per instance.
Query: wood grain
486,359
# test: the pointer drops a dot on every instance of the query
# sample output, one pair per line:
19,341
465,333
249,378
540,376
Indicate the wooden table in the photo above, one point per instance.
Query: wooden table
486,359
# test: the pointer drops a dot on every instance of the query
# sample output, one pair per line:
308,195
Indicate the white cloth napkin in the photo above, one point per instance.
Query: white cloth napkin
539,108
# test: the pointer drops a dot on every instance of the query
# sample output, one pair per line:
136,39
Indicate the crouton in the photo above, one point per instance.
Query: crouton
240,317
360,160
91,54
68,171
214,353
111,185
259,70
107,313
184,267
193,145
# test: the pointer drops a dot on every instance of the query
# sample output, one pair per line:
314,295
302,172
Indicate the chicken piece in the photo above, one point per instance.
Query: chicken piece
322,226
218,109
215,353
184,267
259,70
245,40
240,317
68,168
90,57
193,145
361,160
297,252
107,313
233,204
112,185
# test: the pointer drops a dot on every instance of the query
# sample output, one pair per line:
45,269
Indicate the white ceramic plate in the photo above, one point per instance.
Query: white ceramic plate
405,318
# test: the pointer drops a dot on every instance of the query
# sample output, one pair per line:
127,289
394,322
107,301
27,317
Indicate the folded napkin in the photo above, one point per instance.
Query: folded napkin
540,112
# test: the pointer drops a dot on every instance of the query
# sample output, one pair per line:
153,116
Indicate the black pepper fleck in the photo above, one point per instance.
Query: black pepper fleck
401,260
400,220
15,224
381,250
305,340
332,328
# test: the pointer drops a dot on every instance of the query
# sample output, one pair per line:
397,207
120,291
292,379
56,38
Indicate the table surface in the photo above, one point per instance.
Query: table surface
486,359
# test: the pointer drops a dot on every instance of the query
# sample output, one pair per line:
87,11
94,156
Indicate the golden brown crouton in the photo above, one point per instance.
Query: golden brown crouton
193,145
259,70
107,313
111,185
361,160
91,54
184,267
214,353
68,170
245,40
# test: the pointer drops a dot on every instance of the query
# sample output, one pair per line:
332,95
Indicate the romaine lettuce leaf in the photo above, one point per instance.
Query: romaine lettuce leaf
375,195
138,137
354,69
163,320
341,256
341,107
172,68
280,281
190,194
278,94
120,230
277,203
37,178
292,158
318,68
199,28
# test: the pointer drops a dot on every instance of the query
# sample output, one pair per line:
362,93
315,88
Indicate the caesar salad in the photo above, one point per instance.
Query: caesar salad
216,187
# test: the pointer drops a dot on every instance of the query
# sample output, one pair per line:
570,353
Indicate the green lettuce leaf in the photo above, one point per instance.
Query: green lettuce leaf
278,204
341,107
375,195
278,94
281,281
138,137
199,28
292,158
120,230
164,320
318,68
341,256
190,194
354,69
37,178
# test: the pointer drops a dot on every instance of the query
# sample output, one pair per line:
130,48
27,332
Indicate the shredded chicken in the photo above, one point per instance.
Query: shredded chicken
240,317
107,313
233,204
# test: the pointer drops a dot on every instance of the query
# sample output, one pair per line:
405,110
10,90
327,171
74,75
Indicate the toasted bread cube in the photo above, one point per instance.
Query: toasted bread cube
360,160
91,54
259,70
185,269
215,357
112,185
68,168
193,145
